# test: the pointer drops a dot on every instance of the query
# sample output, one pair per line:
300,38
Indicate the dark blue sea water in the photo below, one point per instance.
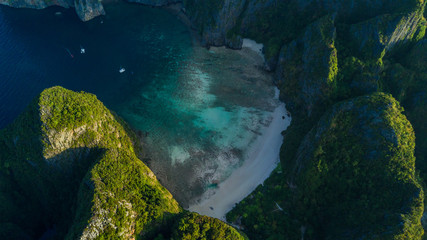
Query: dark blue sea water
33,53
199,110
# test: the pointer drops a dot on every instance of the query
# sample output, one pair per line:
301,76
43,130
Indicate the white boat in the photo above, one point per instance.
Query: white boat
122,70
82,50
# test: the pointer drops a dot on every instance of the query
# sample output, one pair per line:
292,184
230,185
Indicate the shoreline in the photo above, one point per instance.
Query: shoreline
176,9
262,158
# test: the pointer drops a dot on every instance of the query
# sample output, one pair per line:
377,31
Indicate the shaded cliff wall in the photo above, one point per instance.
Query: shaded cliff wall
85,9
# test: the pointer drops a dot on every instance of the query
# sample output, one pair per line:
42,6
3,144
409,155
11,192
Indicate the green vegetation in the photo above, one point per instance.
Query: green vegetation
307,68
192,226
347,165
69,163
268,212
335,179
406,79
277,24
362,164
358,160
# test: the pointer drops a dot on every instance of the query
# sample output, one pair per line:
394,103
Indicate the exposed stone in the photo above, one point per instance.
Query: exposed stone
307,67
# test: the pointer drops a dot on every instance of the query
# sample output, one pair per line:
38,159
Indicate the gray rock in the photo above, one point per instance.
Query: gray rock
88,9
156,3
85,9
37,4
306,67
377,36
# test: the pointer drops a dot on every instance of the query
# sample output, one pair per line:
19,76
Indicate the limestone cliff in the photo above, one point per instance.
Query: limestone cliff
221,22
373,38
156,3
352,177
85,9
307,67
68,166
406,79
69,152
355,172
224,22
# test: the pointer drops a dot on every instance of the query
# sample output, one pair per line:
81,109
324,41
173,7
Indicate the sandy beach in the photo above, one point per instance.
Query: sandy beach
261,160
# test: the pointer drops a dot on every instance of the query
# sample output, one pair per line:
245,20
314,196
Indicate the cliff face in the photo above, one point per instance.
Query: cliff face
220,22
307,67
155,2
70,163
69,152
359,160
88,9
85,9
375,37
407,80
353,11
305,56
352,177
37,4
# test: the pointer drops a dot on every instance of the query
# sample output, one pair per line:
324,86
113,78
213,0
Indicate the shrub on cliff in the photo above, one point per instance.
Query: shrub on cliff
192,226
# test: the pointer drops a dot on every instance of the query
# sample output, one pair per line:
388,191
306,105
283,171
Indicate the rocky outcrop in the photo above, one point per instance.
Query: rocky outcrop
39,4
68,150
355,171
407,81
372,39
85,9
69,169
307,67
213,19
156,3
88,9
220,22
354,11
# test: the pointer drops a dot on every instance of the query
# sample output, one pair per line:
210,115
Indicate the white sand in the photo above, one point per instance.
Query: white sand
251,44
261,160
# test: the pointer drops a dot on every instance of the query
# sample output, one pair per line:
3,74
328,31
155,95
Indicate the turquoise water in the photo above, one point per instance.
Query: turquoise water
33,53
197,110
199,124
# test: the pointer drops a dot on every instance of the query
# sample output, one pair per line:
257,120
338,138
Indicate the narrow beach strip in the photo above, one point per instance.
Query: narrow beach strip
261,160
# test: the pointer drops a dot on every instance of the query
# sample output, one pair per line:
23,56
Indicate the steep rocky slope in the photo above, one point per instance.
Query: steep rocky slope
275,23
307,67
85,9
406,79
69,167
379,47
324,52
353,177
357,167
